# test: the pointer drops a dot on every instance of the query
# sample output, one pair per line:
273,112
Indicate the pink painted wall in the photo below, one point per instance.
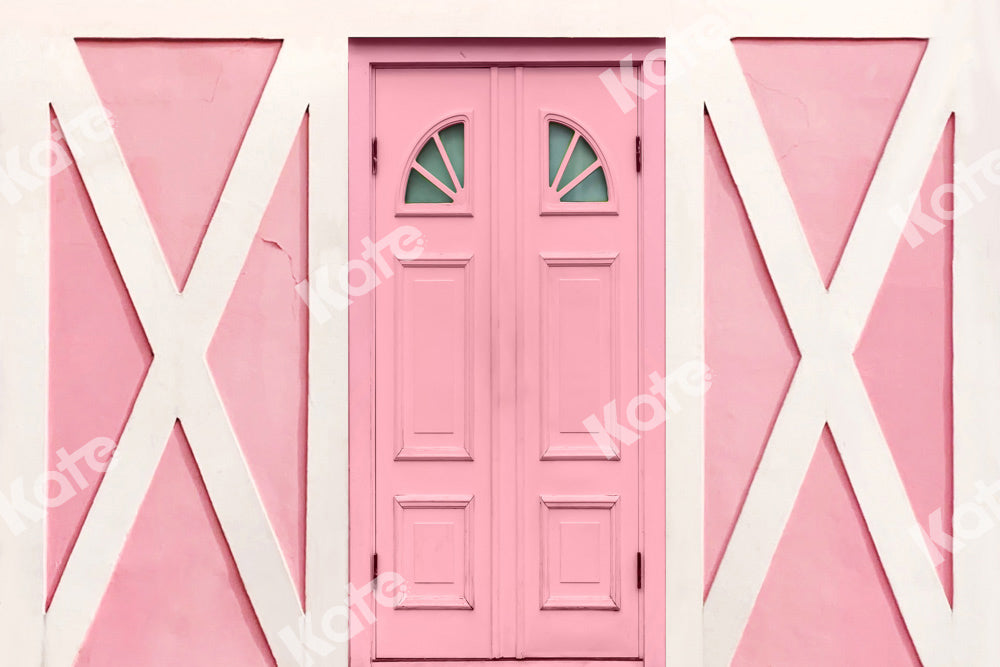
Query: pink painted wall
828,107
180,111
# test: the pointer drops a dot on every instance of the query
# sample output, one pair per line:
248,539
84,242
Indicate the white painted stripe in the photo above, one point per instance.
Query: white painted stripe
684,303
24,285
327,469
976,335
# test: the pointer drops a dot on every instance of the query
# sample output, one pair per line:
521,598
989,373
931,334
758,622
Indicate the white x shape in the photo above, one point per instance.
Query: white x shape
179,385
827,387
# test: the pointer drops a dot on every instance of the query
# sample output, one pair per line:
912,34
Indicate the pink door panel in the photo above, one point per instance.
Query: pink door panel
516,531
432,406
578,352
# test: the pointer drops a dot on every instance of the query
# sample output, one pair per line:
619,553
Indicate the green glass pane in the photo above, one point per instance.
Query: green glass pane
430,159
421,191
592,188
453,140
559,138
583,156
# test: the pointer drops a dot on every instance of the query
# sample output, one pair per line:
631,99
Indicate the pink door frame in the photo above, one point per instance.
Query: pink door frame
364,56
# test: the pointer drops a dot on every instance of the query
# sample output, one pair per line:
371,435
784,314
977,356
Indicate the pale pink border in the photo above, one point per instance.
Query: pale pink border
364,55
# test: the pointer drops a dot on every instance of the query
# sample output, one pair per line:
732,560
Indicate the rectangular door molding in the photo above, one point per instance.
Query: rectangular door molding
511,315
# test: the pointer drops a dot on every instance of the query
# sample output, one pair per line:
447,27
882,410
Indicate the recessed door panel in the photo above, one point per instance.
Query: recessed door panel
580,351
435,371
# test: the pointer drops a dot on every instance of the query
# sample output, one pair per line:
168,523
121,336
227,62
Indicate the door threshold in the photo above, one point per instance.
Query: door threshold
513,662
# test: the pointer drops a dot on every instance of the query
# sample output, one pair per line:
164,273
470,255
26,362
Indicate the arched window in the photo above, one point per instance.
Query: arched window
576,173
436,174
578,179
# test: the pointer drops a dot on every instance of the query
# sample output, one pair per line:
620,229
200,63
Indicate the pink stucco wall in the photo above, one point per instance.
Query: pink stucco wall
828,108
180,111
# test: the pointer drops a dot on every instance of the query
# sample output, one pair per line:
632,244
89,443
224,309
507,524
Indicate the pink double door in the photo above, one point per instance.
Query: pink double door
510,318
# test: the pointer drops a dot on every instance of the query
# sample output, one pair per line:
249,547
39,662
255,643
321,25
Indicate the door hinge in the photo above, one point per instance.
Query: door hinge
638,570
638,154
374,566
374,156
